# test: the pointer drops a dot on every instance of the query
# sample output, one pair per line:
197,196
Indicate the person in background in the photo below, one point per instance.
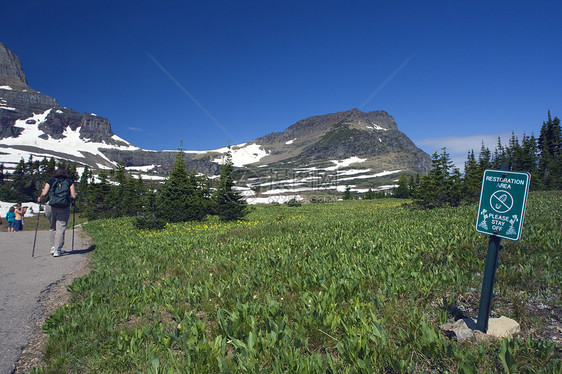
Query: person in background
20,212
60,190
11,219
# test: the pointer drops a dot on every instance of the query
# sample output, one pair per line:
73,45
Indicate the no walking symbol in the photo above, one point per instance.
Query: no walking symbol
502,203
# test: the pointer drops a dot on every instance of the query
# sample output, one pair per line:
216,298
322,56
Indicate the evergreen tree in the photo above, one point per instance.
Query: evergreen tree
472,178
413,184
528,160
117,192
19,181
95,200
347,193
500,155
484,158
181,198
228,204
402,191
82,189
369,195
438,188
550,158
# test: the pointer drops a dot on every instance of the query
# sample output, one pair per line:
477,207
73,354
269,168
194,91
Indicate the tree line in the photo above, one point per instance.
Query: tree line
444,185
183,196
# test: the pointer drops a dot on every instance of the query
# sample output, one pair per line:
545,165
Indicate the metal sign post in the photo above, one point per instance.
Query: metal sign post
500,214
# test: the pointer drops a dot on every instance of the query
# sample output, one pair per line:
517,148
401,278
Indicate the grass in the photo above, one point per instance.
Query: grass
357,286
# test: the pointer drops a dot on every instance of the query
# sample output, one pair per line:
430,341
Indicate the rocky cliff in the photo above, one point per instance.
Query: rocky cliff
19,101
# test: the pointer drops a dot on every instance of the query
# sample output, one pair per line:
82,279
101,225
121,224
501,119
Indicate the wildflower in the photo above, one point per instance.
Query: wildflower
255,297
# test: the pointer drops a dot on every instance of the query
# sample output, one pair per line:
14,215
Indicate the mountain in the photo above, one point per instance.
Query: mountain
32,123
320,153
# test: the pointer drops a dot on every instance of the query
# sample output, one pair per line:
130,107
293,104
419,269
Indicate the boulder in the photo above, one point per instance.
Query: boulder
465,328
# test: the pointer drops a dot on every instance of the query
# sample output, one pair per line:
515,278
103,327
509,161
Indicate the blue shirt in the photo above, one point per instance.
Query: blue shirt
10,216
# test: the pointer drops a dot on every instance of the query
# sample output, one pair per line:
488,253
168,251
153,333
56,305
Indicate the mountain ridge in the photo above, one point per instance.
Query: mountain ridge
368,143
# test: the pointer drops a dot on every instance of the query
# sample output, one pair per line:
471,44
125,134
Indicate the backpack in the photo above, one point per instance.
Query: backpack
59,193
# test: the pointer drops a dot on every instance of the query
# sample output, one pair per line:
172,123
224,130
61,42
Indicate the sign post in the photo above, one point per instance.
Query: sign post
501,209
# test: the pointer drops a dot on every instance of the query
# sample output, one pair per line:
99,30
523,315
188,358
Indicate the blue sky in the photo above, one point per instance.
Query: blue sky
451,73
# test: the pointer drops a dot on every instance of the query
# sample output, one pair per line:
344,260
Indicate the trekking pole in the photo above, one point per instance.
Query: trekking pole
36,228
73,220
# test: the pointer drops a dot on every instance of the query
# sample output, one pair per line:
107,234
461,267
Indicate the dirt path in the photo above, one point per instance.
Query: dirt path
31,288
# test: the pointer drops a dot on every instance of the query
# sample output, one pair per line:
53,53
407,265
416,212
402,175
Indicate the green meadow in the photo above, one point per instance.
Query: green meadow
346,287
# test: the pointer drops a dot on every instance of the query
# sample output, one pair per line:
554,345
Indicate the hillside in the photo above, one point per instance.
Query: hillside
319,153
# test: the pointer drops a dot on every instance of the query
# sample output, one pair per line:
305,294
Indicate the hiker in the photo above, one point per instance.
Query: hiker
11,219
59,189
20,212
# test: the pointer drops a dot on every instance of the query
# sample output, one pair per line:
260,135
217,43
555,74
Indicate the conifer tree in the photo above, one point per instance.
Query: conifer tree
228,204
347,193
438,188
472,178
95,202
529,160
550,149
369,195
402,191
181,198
484,158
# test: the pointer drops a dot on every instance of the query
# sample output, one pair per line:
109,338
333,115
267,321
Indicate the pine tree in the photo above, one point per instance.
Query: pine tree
472,180
347,193
413,184
402,191
484,158
228,204
95,203
181,197
369,195
550,157
499,156
439,187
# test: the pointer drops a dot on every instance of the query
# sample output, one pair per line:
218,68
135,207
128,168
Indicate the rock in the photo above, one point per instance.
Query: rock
503,327
10,67
465,328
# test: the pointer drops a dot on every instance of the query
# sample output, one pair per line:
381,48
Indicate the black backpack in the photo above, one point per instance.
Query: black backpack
59,193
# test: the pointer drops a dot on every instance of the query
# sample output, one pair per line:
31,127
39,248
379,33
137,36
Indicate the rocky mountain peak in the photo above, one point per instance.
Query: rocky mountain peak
11,72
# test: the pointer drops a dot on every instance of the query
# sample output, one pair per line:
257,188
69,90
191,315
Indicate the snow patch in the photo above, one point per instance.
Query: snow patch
7,108
279,199
243,154
374,126
346,162
368,176
141,168
8,88
70,143
290,141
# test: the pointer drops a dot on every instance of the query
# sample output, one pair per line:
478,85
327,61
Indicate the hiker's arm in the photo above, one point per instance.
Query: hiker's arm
73,193
44,192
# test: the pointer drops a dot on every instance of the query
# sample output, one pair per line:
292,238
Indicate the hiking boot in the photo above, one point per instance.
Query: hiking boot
57,253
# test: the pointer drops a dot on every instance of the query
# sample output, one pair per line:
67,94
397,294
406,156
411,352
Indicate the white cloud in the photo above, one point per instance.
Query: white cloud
459,146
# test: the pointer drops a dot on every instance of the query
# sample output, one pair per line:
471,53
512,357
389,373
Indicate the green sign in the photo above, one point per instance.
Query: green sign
502,203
